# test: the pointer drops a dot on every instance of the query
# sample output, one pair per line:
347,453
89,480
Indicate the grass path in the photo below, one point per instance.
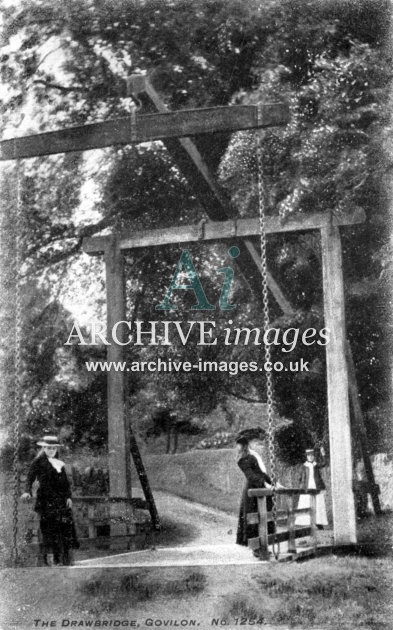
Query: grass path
335,593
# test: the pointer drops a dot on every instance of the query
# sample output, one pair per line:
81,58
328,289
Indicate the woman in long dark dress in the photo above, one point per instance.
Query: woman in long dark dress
53,503
253,469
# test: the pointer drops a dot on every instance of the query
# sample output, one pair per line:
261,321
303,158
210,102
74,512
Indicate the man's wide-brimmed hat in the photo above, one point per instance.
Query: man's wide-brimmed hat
247,435
49,440
309,451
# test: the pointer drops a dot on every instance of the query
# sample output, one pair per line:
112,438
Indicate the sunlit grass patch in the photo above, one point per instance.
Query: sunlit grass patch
329,591
108,591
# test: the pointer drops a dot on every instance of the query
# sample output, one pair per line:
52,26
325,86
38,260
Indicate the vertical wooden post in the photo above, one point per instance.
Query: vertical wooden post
262,528
361,431
344,520
90,517
313,520
291,525
119,463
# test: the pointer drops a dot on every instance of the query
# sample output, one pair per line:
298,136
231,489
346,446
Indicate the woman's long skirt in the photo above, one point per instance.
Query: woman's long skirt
305,502
58,535
244,530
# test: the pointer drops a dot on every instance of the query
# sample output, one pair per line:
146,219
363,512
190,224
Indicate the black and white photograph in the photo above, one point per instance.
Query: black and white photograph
196,314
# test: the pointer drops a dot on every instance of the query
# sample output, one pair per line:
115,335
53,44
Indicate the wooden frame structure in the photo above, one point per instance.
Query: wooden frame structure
344,518
286,519
175,129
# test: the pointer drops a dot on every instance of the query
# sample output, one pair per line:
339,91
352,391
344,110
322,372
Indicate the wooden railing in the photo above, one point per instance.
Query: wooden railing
285,518
96,518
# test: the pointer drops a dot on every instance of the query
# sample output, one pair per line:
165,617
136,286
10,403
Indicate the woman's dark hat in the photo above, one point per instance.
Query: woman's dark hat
240,439
245,436
49,440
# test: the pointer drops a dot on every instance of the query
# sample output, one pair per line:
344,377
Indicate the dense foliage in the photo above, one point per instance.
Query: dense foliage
67,63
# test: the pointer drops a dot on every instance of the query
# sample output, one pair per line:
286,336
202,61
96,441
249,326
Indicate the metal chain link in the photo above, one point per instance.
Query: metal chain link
17,364
266,321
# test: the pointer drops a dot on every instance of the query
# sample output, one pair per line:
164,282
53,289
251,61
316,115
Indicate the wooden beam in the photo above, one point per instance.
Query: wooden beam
313,519
360,429
213,231
144,481
119,462
147,127
118,438
291,520
299,532
274,287
343,503
210,194
263,492
262,529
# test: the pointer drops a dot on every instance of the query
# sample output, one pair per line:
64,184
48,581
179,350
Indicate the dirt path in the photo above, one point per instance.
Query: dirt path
205,525
192,535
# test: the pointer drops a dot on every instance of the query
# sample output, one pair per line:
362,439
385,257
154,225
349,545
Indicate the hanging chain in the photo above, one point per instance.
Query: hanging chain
266,321
17,363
